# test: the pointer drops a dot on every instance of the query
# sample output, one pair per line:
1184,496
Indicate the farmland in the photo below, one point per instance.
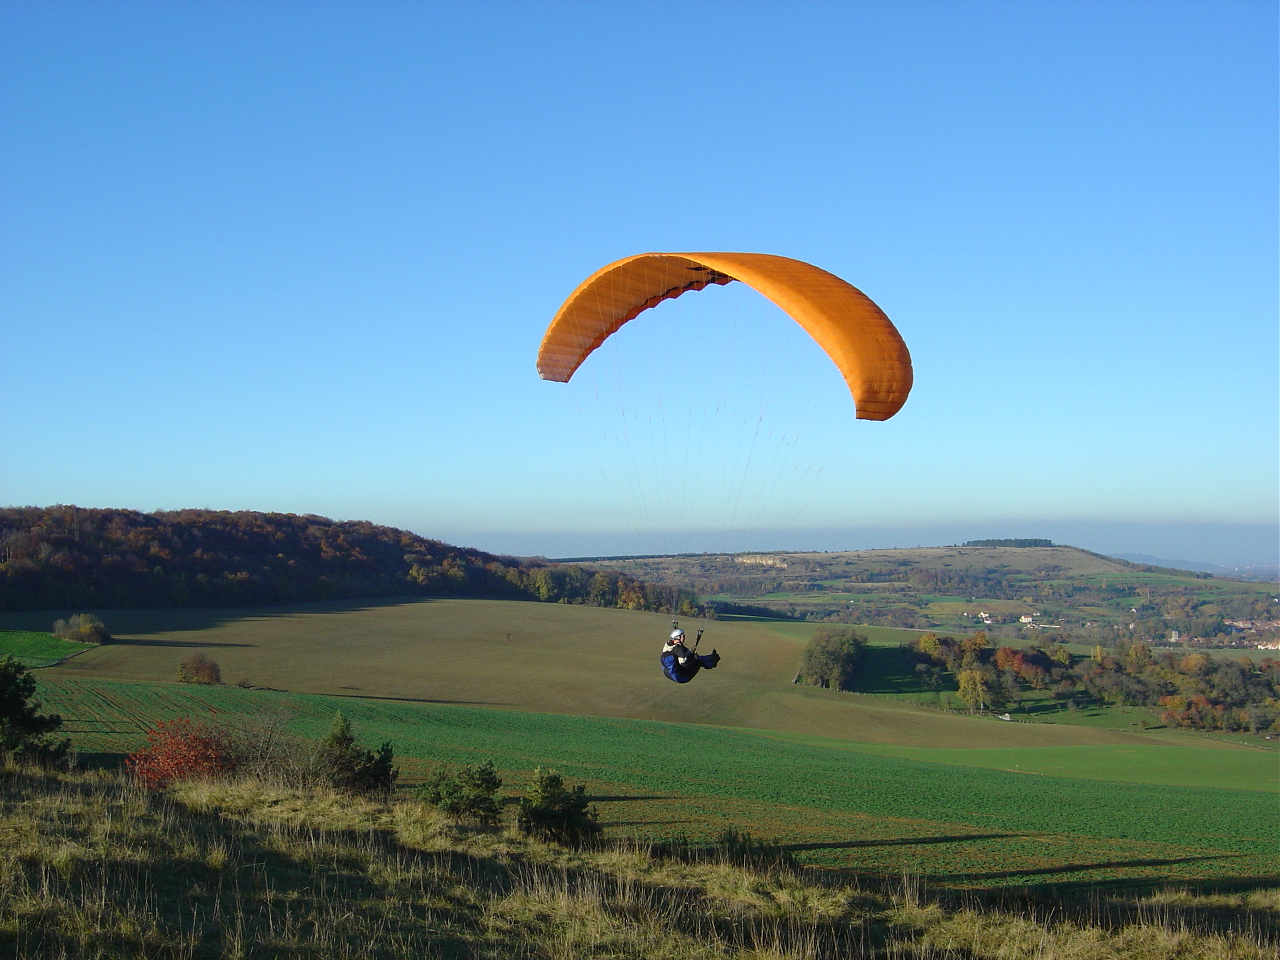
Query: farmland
869,782
35,649
551,658
1066,589
845,805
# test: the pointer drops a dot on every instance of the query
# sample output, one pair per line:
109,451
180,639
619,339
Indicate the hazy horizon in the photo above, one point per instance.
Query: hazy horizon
1227,545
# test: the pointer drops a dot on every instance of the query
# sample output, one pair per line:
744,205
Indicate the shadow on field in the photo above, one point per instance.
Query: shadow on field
897,842
1082,867
127,642
101,760
188,619
1117,903
460,703
888,670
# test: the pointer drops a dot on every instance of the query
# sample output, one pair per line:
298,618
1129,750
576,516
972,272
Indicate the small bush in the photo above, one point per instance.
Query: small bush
556,813
82,628
469,794
181,750
741,849
346,765
198,668
262,747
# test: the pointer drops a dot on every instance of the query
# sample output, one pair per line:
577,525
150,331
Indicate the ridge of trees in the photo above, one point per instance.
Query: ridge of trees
75,557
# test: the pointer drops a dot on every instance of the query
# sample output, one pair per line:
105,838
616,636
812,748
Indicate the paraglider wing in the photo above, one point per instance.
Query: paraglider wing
854,332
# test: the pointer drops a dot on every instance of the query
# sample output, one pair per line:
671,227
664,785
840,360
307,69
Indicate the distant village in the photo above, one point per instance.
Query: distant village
1033,621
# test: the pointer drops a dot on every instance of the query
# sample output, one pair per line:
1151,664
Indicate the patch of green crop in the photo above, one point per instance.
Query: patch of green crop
35,649
851,806
1155,763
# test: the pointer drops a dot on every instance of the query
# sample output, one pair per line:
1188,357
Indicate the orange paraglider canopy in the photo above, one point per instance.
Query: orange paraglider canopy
854,332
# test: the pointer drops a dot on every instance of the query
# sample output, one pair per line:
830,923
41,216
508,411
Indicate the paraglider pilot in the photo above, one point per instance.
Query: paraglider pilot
680,663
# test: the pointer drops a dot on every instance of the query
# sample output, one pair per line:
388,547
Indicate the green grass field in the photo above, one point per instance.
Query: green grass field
872,809
35,649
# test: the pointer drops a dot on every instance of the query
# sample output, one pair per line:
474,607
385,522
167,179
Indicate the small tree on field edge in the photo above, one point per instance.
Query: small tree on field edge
23,729
831,658
348,766
550,810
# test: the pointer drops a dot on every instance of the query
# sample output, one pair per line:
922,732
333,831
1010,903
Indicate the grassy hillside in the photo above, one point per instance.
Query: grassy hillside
92,867
853,807
554,658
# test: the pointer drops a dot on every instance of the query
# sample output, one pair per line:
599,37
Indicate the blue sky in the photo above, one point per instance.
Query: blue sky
298,257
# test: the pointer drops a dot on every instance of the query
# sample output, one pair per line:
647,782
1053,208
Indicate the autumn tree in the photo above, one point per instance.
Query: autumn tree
973,689
198,668
181,749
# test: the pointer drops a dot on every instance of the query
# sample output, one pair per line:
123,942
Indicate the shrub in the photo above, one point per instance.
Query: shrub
556,813
82,628
831,658
346,765
731,846
262,747
23,729
469,794
198,668
181,750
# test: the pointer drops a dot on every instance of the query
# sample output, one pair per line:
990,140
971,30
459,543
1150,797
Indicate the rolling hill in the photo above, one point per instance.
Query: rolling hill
1065,590
550,658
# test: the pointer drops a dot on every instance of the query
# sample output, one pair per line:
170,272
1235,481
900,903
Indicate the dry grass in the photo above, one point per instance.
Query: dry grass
91,866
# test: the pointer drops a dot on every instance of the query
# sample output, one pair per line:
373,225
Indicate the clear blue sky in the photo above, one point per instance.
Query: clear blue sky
298,256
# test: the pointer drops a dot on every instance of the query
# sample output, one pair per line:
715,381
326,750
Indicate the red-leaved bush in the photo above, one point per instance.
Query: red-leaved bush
180,750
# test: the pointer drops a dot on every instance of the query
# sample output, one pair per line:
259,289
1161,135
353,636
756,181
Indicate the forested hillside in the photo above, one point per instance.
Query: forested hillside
72,557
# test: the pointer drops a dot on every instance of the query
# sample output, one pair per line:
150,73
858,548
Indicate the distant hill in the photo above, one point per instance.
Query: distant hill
1258,572
1011,587
66,557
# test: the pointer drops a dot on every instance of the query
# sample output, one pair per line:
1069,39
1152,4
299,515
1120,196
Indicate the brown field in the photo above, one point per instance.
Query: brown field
550,658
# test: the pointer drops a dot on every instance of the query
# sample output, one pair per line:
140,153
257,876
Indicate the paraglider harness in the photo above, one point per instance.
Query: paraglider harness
681,664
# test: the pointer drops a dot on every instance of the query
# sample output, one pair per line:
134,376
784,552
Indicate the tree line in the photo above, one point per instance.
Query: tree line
73,557
1191,690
